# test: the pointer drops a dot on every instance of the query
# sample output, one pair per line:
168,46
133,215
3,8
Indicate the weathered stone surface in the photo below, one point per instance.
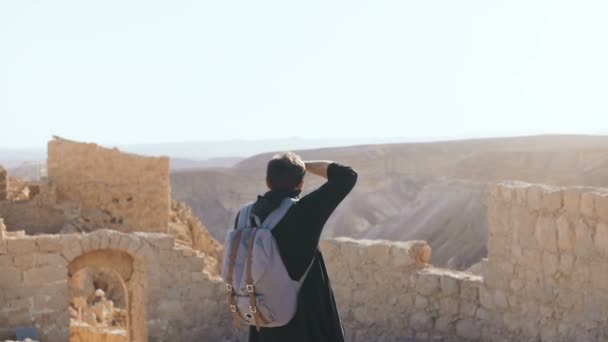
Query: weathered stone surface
11,277
428,284
49,243
565,234
449,285
549,279
584,241
552,200
421,321
572,201
546,234
601,239
535,198
468,329
587,205
44,274
21,246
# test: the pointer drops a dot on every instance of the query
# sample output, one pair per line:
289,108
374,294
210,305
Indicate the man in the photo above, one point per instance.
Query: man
297,236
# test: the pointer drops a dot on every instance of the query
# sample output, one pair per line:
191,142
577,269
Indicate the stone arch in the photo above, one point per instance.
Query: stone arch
121,254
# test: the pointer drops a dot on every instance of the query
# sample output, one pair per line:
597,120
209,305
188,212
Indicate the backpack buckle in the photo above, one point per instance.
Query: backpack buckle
232,308
229,287
250,288
253,309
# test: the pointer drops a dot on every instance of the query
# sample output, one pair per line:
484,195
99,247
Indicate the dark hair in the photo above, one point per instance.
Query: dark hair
285,171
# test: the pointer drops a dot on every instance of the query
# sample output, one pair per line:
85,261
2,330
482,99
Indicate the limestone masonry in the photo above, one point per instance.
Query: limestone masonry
99,252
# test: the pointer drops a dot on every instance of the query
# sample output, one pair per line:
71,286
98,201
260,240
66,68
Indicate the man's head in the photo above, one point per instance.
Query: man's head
285,172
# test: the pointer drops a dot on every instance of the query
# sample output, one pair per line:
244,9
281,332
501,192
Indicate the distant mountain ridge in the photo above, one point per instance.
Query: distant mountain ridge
435,191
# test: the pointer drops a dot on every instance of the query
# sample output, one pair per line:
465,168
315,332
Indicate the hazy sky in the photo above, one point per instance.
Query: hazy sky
157,71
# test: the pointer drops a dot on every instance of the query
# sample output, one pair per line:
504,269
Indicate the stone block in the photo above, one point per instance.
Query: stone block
449,285
49,243
532,259
21,246
483,314
550,264
587,205
552,200
3,247
486,298
11,277
23,261
468,328
572,201
507,193
601,239
584,241
468,309
524,223
428,284
421,321
599,276
6,260
469,289
601,206
163,242
516,284
445,324
565,234
45,274
46,259
421,302
521,195
500,300
546,233
535,199
71,251
448,306
379,254
104,241
566,262
115,240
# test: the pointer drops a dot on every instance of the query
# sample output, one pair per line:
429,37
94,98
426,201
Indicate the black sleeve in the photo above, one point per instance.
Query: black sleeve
299,236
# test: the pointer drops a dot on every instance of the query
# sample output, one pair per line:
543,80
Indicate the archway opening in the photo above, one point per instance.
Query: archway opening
106,298
98,306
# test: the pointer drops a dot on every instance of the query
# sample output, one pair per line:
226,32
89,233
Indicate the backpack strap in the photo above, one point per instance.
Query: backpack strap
277,215
244,214
257,315
229,286
301,280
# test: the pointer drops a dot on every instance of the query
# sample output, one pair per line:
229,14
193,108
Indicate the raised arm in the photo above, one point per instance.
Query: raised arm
318,167
301,236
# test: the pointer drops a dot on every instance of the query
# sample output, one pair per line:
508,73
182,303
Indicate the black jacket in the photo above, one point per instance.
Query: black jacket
297,236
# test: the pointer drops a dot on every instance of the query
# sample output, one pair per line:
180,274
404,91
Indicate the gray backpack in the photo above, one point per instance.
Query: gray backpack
260,291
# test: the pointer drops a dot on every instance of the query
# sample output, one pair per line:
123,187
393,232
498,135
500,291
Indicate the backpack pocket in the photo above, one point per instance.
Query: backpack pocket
247,312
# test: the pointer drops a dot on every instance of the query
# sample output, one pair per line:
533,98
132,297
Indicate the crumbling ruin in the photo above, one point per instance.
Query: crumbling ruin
105,280
97,251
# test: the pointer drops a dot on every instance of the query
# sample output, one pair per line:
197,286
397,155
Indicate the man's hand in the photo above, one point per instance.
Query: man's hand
318,167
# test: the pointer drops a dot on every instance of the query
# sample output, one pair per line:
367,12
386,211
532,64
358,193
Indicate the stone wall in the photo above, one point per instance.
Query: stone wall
38,215
171,298
386,291
545,279
547,270
122,191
